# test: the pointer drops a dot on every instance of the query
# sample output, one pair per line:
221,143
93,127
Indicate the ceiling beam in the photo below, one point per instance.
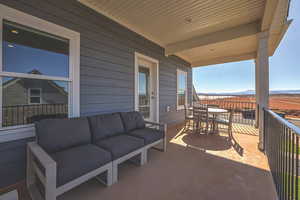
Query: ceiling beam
220,60
220,36
270,9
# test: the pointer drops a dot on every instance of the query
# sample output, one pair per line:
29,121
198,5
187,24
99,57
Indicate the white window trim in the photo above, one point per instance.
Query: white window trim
13,15
179,72
30,95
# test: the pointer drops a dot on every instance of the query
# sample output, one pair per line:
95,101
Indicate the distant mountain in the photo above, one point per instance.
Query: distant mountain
252,92
285,92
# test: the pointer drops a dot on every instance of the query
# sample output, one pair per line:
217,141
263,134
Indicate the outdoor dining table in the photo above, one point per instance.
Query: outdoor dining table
214,112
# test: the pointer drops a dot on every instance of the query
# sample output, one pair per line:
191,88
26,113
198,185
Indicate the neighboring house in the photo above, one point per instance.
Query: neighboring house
20,92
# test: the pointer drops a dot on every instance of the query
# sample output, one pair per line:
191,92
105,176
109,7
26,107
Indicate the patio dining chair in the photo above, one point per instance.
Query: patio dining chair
202,119
226,122
188,118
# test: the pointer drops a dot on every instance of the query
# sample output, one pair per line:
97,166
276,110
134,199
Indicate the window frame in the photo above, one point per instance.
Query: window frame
13,15
181,72
30,95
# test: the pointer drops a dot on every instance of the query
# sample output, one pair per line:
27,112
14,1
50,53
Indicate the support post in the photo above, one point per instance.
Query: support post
262,83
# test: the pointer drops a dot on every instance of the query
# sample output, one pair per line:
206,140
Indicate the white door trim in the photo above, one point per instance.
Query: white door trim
138,56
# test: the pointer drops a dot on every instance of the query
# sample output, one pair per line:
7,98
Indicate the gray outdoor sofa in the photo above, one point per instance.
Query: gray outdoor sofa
68,152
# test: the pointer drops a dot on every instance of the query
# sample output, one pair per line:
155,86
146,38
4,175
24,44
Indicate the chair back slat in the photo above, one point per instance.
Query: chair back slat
231,117
201,112
212,105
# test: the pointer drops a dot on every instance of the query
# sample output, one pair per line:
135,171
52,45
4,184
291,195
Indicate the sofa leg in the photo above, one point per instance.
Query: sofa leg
109,178
165,145
144,156
165,138
50,193
115,173
30,178
50,182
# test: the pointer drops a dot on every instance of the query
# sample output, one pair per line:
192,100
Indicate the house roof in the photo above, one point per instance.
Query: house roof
202,32
35,71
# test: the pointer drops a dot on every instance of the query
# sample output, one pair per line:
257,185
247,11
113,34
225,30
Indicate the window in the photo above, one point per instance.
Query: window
181,89
144,88
39,73
35,96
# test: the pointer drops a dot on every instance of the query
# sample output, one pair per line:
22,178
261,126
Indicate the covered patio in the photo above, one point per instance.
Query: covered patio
194,167
108,46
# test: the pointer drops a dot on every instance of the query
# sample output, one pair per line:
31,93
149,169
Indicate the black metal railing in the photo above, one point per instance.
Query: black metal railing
281,140
27,114
244,111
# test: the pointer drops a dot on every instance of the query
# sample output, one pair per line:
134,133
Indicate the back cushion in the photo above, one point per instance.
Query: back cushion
55,135
132,120
105,125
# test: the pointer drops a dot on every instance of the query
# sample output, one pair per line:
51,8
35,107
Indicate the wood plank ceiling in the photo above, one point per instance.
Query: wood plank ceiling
199,31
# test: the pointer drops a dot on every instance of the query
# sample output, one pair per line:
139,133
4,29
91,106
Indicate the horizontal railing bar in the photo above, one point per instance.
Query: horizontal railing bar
284,122
33,105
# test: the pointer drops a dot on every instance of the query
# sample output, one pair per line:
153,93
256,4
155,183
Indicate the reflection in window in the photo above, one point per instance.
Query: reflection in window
34,50
29,51
17,109
35,96
181,88
144,97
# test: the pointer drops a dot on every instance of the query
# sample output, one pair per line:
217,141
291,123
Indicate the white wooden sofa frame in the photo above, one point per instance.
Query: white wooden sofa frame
48,178
163,141
143,152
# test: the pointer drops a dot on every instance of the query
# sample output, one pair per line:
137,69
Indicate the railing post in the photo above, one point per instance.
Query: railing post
262,128
256,115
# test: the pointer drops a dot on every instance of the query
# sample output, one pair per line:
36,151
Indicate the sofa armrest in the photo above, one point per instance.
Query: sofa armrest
41,164
159,126
154,123
41,155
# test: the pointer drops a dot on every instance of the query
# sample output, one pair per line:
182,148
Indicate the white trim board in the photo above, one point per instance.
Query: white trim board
13,15
181,72
136,85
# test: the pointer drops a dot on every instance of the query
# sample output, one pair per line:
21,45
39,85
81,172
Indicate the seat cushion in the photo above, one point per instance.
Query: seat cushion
149,135
120,145
55,135
106,125
132,120
77,161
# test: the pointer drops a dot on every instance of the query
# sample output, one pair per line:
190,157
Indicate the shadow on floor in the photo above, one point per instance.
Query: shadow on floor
215,142
212,142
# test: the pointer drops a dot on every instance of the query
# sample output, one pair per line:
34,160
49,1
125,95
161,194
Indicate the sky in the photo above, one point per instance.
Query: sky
34,59
23,58
240,76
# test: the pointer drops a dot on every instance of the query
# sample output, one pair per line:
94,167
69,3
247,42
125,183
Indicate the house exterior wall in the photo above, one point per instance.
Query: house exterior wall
106,70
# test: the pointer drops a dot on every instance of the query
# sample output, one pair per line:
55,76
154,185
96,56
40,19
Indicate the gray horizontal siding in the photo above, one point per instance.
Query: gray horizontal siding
13,161
106,70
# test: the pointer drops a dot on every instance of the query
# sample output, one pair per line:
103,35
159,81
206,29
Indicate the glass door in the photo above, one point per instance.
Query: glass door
144,91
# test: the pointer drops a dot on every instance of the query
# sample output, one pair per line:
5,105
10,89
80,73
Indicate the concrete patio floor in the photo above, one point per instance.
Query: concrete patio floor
195,167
